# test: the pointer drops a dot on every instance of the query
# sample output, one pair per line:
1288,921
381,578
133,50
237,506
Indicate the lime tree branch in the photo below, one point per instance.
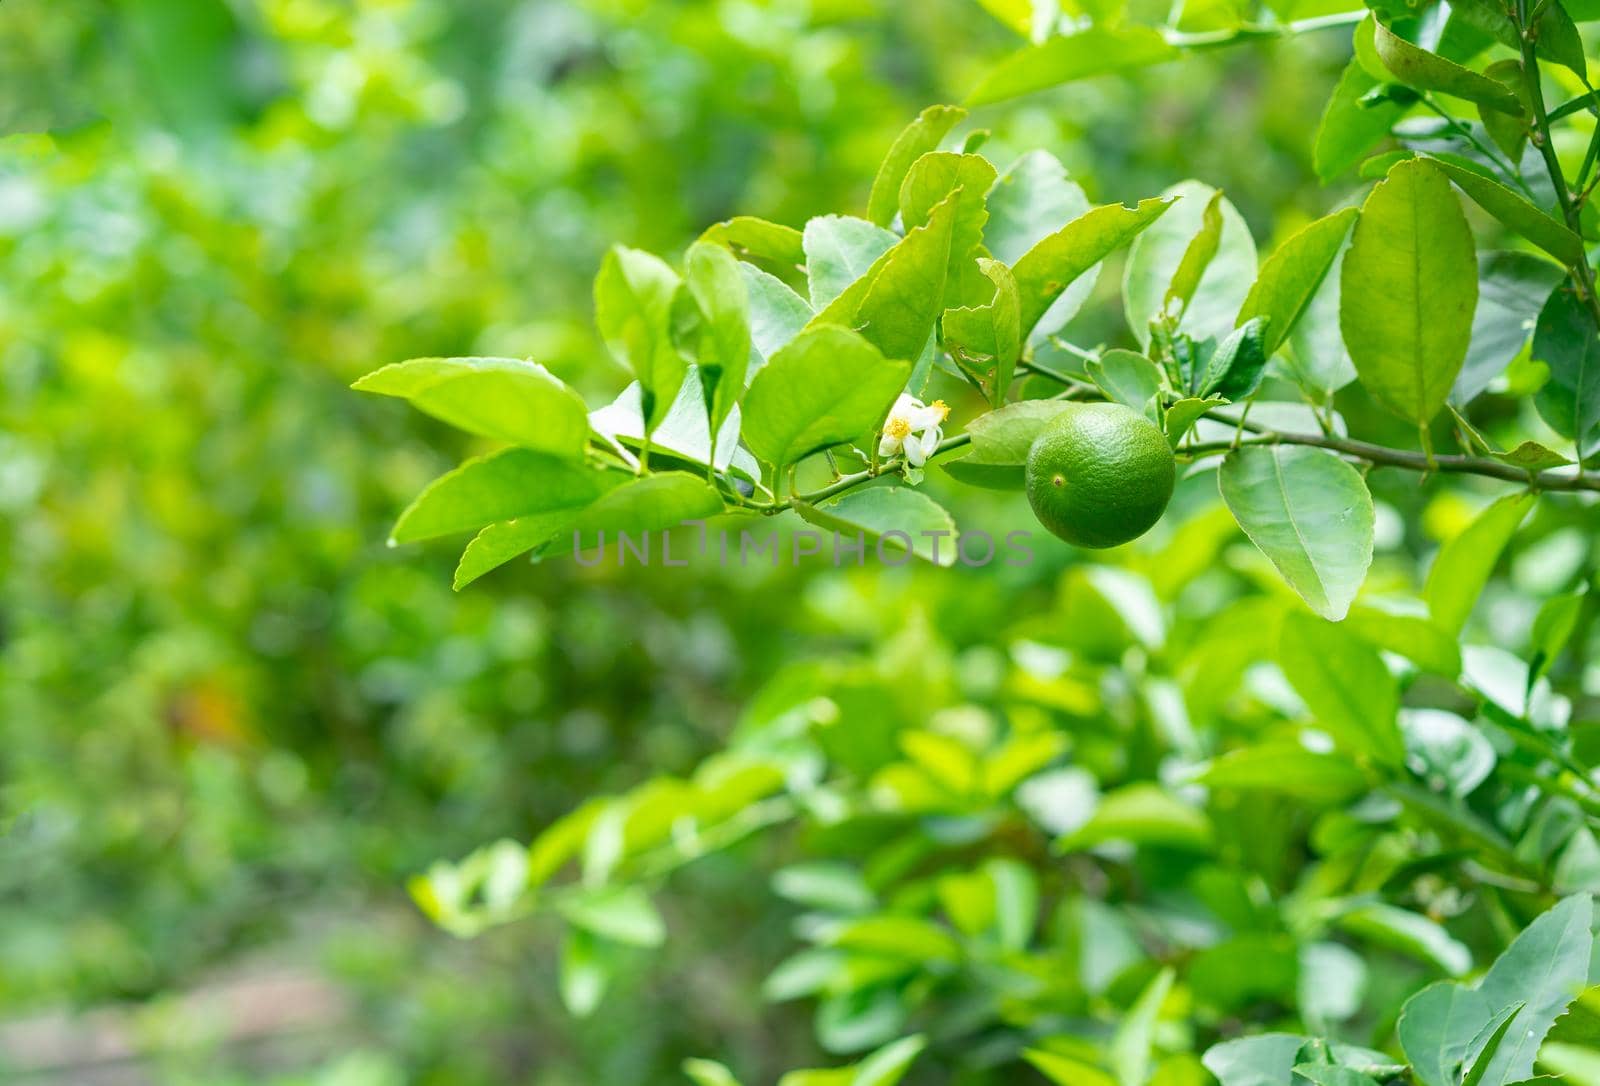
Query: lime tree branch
1383,456
1527,37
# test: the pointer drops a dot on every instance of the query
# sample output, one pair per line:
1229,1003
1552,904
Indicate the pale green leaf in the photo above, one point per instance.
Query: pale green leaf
1344,683
1292,275
510,483
1408,289
827,386
633,297
903,518
839,250
1052,265
1154,259
517,402
1463,566
919,137
1310,513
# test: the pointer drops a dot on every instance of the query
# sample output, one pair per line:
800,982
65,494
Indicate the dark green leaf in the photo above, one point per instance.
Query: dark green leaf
1234,370
1566,340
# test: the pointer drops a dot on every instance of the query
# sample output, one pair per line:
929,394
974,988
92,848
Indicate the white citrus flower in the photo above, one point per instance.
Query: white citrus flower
913,426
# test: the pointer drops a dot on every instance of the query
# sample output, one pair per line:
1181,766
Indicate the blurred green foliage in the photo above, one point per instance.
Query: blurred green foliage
234,723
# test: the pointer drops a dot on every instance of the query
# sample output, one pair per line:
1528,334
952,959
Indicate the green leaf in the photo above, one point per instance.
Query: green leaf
1345,684
1289,769
1479,1064
919,137
839,250
723,346
1416,638
1000,443
1314,356
1349,129
901,516
1512,287
1543,969
1197,257
1509,133
517,402
758,239
1126,378
827,386
1310,513
895,304
585,974
1029,202
622,914
1553,627
1327,1074
507,484
1063,59
1447,752
684,432
777,314
828,886
1234,370
1292,275
1051,266
1418,68
1065,1070
1154,259
986,341
1410,933
658,501
1516,213
1408,288
1566,340
1532,457
633,309
1131,1045
889,1064
1556,39
1464,564
708,1073
1266,1059
1016,901
1182,415
939,176
1144,814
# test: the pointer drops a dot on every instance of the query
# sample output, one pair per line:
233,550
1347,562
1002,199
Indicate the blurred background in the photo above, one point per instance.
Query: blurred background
232,723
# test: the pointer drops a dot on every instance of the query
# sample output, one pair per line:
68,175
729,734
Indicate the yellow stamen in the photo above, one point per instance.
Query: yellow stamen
897,428
941,407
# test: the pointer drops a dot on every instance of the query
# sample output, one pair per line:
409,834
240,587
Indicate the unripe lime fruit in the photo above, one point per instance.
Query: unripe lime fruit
1099,475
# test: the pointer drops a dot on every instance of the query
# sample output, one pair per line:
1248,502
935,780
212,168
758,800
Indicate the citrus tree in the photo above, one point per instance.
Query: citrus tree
1312,816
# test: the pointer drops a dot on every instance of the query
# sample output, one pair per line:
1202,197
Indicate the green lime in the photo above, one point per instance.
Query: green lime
1100,475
